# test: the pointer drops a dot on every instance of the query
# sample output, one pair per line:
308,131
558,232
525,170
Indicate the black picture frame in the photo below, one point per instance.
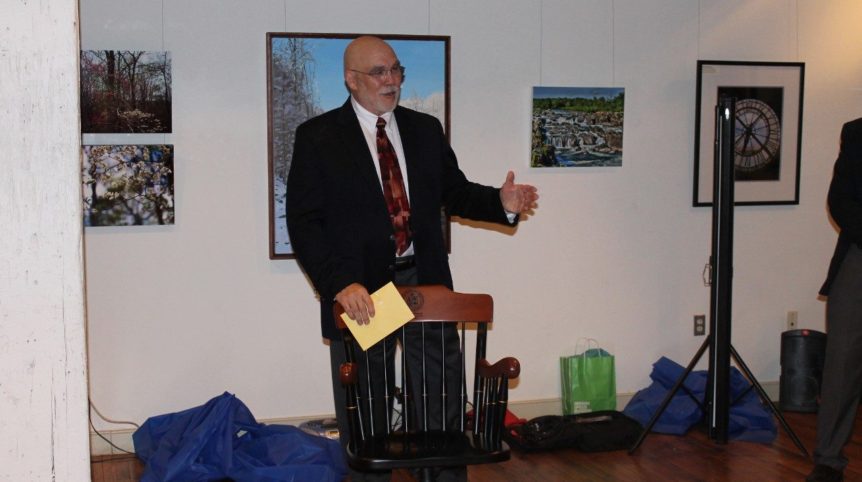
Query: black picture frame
311,65
767,134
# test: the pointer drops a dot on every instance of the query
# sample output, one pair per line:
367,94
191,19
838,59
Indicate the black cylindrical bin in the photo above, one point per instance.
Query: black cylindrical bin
802,355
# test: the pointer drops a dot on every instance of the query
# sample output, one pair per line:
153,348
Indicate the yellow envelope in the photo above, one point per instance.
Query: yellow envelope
391,313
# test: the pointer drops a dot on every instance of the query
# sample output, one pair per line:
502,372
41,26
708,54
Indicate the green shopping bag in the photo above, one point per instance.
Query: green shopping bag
588,380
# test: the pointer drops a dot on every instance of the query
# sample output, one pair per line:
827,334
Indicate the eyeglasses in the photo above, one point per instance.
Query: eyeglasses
379,73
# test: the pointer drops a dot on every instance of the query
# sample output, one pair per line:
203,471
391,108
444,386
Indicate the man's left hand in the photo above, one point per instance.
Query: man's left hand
517,198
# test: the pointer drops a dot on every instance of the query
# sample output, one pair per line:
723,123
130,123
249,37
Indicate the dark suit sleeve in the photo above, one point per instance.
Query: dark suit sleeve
307,205
844,197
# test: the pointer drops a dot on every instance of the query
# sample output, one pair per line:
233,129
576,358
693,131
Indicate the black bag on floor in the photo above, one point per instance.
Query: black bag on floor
589,432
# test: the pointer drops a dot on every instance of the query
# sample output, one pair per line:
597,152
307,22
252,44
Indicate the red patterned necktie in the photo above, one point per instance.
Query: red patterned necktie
393,189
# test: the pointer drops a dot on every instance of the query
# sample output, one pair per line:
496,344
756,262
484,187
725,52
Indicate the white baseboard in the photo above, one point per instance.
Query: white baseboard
524,409
553,406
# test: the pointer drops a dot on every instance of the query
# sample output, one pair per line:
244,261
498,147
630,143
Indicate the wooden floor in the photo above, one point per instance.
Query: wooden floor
692,457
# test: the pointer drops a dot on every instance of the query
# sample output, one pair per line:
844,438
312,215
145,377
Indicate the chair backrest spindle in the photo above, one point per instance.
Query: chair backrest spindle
387,397
424,381
443,388
406,398
462,384
369,398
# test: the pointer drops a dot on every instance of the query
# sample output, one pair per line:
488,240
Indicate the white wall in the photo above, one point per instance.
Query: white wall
43,378
179,314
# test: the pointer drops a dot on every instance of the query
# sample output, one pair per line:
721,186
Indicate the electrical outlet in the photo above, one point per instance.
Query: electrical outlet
699,325
792,319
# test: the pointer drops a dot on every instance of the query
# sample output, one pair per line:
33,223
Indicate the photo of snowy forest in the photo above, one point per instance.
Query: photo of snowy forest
125,185
125,91
305,79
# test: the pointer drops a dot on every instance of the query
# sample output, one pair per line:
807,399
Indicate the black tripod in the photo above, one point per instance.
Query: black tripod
718,414
721,267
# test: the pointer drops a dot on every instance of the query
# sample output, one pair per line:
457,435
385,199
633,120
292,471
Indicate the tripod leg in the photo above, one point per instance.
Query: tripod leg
670,395
765,398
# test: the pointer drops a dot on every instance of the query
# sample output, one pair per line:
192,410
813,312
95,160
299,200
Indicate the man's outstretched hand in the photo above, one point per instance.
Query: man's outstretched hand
517,198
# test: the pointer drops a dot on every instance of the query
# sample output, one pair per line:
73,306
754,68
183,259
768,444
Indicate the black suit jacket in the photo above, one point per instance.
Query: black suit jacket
845,197
337,217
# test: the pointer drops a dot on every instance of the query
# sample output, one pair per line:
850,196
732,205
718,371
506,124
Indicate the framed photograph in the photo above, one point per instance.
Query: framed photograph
577,126
128,185
125,91
767,133
305,78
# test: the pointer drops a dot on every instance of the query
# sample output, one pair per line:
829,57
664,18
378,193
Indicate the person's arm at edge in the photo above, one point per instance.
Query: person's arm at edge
843,199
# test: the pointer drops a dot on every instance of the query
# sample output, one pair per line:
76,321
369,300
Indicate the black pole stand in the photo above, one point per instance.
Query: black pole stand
720,263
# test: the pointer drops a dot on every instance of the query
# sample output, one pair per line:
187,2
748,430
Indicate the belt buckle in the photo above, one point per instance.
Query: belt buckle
404,263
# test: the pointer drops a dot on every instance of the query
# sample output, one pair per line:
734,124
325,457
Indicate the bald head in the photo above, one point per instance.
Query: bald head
364,59
363,48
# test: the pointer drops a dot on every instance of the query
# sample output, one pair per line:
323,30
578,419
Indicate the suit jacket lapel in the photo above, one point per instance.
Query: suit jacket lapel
357,148
410,145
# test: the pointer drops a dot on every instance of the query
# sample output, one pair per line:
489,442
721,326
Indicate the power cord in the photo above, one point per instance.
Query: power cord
90,420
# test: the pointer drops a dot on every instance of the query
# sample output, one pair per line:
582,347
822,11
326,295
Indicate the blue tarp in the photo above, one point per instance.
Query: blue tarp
749,420
221,439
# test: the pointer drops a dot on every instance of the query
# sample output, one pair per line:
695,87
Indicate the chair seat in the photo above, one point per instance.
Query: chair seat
425,449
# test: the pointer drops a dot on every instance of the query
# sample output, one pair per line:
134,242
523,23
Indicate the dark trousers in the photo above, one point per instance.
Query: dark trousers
435,339
842,370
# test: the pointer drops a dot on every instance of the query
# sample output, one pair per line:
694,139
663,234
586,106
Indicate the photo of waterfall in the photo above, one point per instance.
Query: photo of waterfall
577,126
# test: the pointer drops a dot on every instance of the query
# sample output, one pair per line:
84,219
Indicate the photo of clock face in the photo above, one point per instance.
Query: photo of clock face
757,135
757,132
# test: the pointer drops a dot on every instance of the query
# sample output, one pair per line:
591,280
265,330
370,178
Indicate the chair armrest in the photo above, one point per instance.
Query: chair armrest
507,367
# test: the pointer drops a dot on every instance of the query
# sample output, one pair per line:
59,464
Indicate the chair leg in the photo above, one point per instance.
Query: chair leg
427,474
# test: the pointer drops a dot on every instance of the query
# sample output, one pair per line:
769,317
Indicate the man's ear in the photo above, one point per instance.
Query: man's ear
350,80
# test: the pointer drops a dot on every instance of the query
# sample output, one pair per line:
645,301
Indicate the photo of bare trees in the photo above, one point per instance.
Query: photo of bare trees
126,185
125,91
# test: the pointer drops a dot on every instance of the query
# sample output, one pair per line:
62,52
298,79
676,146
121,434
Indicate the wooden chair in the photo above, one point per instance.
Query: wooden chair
434,428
